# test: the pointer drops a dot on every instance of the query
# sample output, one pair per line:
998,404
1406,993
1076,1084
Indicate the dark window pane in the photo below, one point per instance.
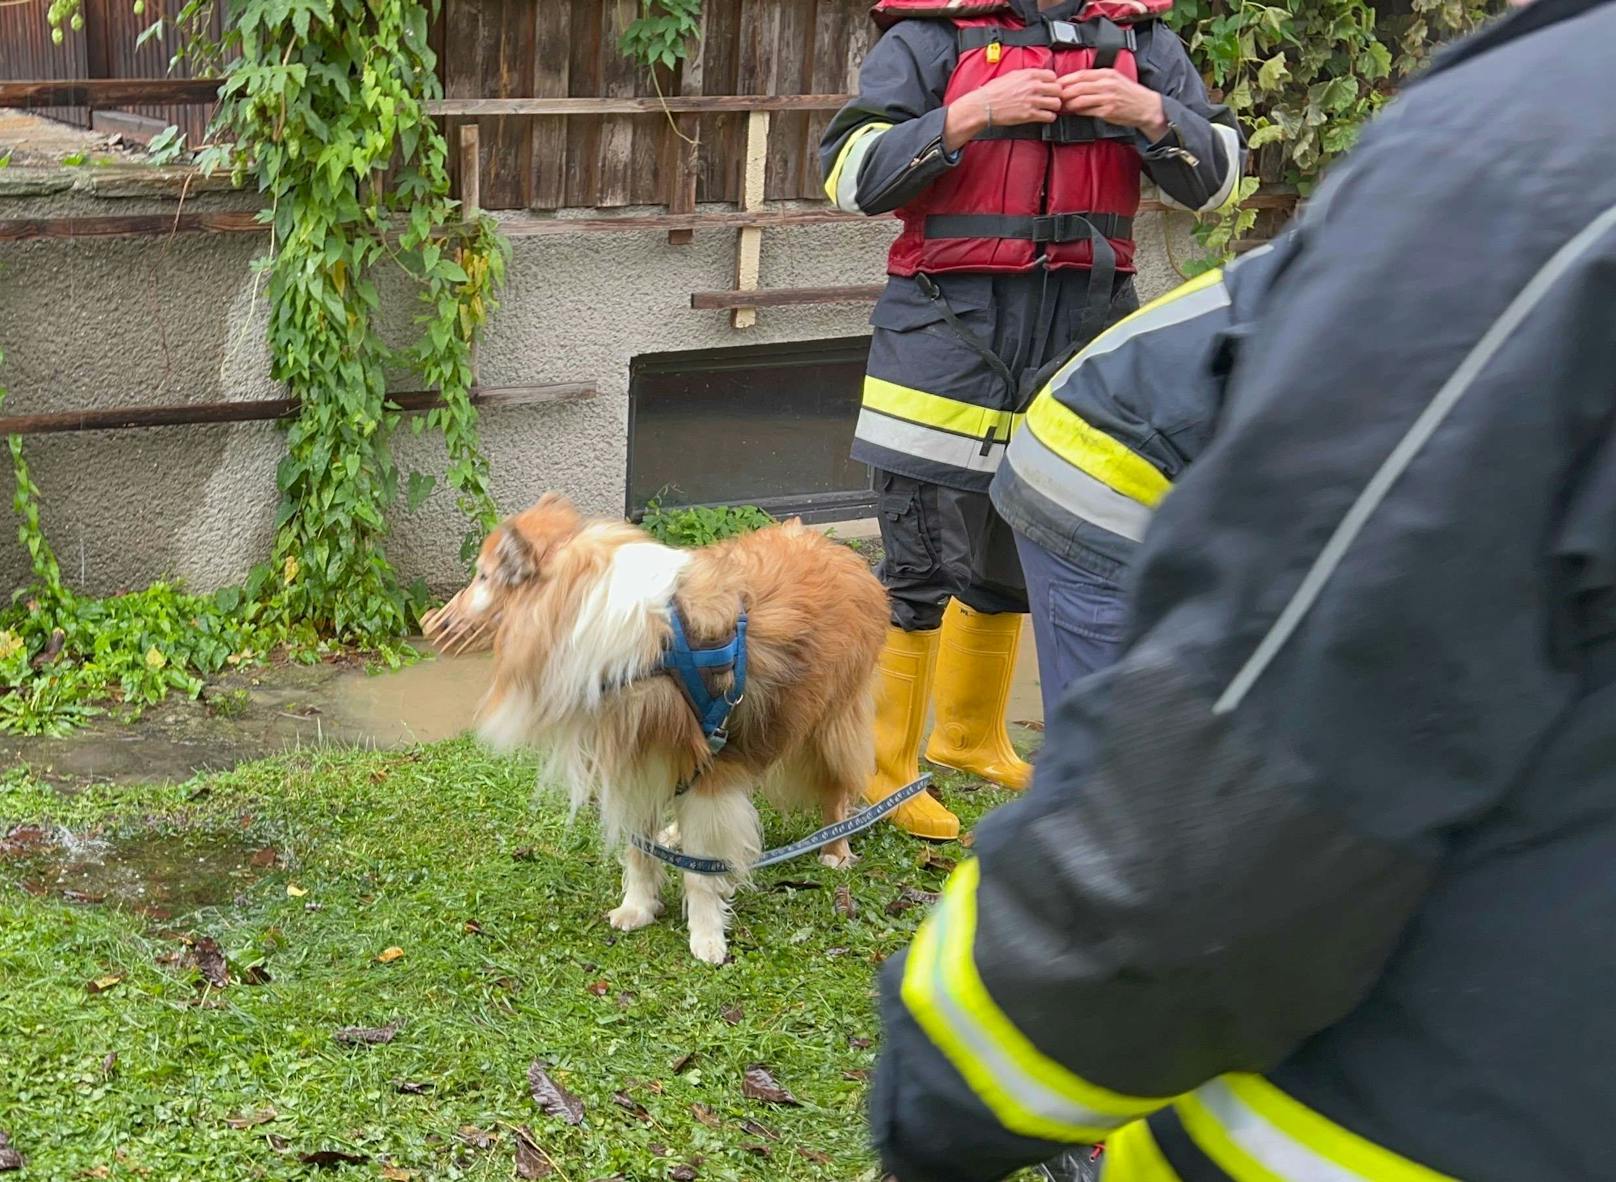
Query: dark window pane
760,424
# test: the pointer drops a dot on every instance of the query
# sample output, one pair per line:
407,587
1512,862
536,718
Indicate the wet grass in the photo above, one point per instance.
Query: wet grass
120,1060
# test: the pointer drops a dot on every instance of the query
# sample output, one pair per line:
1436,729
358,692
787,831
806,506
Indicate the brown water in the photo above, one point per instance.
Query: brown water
279,709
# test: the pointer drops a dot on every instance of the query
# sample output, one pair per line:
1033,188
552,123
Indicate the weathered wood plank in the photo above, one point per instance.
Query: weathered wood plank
620,76
265,409
682,140
786,297
471,200
583,135
155,225
109,92
507,56
721,133
793,54
749,245
635,105
551,70
832,28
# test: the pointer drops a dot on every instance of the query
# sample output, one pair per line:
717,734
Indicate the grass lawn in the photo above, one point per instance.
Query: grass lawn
119,1060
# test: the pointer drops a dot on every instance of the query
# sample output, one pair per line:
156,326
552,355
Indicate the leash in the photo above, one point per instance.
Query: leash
857,823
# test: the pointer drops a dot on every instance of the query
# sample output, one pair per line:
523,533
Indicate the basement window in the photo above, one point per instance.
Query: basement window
766,425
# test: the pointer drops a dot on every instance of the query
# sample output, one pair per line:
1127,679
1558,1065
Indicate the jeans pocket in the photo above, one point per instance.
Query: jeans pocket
1091,608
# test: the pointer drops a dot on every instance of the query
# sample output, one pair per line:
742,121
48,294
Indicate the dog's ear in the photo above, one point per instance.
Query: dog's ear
515,561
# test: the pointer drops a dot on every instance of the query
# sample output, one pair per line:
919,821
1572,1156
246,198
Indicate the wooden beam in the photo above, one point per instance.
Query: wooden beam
110,92
786,297
749,243
154,225
264,409
678,104
515,226
471,185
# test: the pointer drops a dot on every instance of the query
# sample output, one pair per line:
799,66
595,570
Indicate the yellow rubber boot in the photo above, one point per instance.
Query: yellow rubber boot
903,691
975,666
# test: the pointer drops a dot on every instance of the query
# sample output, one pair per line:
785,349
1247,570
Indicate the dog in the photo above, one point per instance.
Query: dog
582,614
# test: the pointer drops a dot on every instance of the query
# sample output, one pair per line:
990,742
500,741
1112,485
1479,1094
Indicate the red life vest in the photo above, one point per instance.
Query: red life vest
1033,192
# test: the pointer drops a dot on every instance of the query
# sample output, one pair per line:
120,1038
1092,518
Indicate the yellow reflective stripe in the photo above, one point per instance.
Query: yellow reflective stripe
933,410
1073,439
1204,1129
834,181
1131,1155
1324,1137
1123,328
941,987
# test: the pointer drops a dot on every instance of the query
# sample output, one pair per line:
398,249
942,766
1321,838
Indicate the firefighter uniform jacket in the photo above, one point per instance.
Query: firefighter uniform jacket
1318,884
935,408
1117,424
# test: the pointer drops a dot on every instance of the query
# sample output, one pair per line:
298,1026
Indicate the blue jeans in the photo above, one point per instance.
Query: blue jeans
1078,614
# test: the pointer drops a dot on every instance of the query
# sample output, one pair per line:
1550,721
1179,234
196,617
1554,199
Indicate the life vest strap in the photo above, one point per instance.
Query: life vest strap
1099,34
1046,227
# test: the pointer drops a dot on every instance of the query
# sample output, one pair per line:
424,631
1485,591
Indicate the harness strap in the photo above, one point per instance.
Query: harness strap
1067,129
975,343
1110,40
857,823
1044,227
1096,34
686,663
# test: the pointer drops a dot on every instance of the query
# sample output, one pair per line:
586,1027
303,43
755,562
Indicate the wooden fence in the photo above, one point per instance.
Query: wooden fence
556,49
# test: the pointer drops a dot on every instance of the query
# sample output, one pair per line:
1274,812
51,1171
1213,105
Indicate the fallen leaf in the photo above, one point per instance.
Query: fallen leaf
108,1064
860,1044
845,907
293,891
330,1159
102,984
264,858
733,1015
759,1130
857,1075
758,1084
23,839
797,884
683,1061
477,1138
83,897
706,1116
932,860
683,1174
248,1120
256,975
600,988
525,854
277,1142
406,1087
96,1172
835,952
395,1174
10,1159
967,840
210,962
473,928
911,897
758,1149
531,1161
815,1156
658,1149
627,1102
389,955
367,1035
553,1099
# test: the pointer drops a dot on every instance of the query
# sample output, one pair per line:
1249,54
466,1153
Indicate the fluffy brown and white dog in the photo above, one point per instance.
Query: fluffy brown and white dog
579,615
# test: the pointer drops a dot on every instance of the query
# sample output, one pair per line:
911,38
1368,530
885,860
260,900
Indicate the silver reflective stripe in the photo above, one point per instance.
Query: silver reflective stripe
1273,1149
1380,485
1229,138
1074,490
1171,311
1023,1088
912,439
847,182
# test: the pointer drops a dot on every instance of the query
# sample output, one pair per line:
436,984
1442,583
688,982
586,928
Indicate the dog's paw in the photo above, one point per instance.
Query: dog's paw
709,947
838,859
631,917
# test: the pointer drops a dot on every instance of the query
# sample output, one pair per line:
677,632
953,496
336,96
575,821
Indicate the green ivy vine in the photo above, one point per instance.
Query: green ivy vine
323,109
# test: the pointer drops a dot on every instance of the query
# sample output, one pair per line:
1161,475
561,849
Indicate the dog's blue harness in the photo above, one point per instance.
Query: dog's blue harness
686,664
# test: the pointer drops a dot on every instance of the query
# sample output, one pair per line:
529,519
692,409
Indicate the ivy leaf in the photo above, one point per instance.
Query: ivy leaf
1274,71
420,487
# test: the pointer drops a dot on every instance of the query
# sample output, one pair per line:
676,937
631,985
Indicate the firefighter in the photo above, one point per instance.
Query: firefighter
1102,444
1010,137
1317,883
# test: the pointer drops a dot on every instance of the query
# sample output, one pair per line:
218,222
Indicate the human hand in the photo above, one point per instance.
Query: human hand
1021,96
1108,95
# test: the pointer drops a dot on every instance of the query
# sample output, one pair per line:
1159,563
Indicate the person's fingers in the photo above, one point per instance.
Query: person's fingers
1046,102
1044,116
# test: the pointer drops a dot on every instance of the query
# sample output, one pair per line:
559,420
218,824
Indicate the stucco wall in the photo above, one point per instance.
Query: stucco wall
125,322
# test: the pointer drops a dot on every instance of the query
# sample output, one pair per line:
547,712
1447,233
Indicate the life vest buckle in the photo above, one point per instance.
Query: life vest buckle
1065,35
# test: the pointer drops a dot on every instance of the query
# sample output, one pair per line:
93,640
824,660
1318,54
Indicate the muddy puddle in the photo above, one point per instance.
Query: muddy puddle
273,710
162,874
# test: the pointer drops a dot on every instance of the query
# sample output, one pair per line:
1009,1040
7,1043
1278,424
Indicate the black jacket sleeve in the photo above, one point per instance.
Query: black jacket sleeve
883,148
1197,164
1342,649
